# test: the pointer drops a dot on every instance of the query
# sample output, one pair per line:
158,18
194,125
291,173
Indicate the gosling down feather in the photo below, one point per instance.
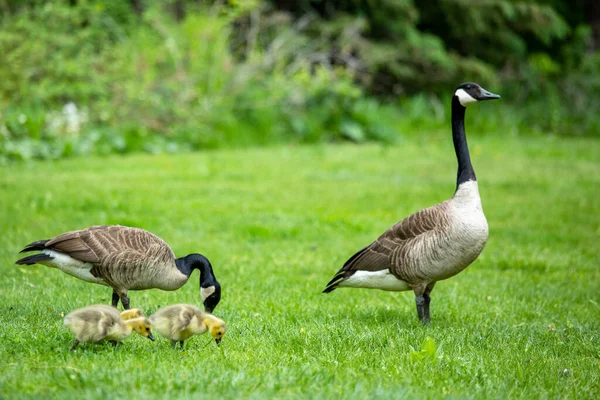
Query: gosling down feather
95,324
179,322
132,313
125,259
432,244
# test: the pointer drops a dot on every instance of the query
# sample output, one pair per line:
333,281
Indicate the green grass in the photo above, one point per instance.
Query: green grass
522,322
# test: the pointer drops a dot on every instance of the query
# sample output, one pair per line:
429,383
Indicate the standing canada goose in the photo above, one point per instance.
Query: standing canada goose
432,244
125,259
181,321
95,324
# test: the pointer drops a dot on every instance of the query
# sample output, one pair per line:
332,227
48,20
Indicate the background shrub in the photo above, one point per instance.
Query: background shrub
97,77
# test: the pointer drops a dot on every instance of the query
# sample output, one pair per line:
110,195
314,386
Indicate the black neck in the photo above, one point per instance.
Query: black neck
465,169
191,262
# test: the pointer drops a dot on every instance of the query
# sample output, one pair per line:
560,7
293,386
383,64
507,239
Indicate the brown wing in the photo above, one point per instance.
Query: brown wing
377,255
72,244
98,243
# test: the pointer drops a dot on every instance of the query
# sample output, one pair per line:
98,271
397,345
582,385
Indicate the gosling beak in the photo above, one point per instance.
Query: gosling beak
218,340
485,95
151,337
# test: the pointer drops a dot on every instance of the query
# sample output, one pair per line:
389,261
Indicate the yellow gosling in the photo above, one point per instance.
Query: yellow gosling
179,322
132,313
95,324
126,314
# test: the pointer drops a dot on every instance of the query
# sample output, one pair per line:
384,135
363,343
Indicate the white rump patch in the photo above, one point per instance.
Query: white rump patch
205,292
383,280
464,97
71,266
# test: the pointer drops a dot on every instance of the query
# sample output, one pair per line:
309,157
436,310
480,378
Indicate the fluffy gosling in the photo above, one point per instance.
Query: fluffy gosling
181,321
95,324
132,313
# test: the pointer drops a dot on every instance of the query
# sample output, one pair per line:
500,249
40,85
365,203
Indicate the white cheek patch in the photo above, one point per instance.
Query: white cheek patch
464,97
205,292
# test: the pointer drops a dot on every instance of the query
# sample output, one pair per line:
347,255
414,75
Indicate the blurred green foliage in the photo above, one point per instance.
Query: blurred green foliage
81,77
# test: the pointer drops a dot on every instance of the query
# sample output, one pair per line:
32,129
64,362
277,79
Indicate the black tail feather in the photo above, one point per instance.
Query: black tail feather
332,285
37,245
329,289
341,274
34,259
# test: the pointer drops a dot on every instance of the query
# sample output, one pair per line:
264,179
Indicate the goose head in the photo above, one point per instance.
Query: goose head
470,92
210,292
140,325
210,289
216,327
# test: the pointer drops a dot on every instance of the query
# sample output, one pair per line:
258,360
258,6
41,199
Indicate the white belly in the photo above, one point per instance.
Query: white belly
383,280
76,268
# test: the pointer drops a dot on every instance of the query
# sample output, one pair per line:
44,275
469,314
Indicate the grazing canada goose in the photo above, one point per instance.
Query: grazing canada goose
432,244
181,321
125,259
94,324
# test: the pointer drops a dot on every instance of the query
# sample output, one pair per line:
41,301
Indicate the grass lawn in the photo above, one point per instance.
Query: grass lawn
522,322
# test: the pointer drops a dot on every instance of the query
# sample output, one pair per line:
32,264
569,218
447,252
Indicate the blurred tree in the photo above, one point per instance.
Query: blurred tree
405,46
592,13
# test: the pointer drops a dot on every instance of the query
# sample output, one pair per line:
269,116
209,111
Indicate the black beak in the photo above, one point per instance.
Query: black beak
485,95
218,340
151,337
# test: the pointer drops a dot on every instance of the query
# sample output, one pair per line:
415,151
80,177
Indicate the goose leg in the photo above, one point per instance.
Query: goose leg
124,299
174,342
426,316
420,301
74,345
427,297
115,299
181,344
